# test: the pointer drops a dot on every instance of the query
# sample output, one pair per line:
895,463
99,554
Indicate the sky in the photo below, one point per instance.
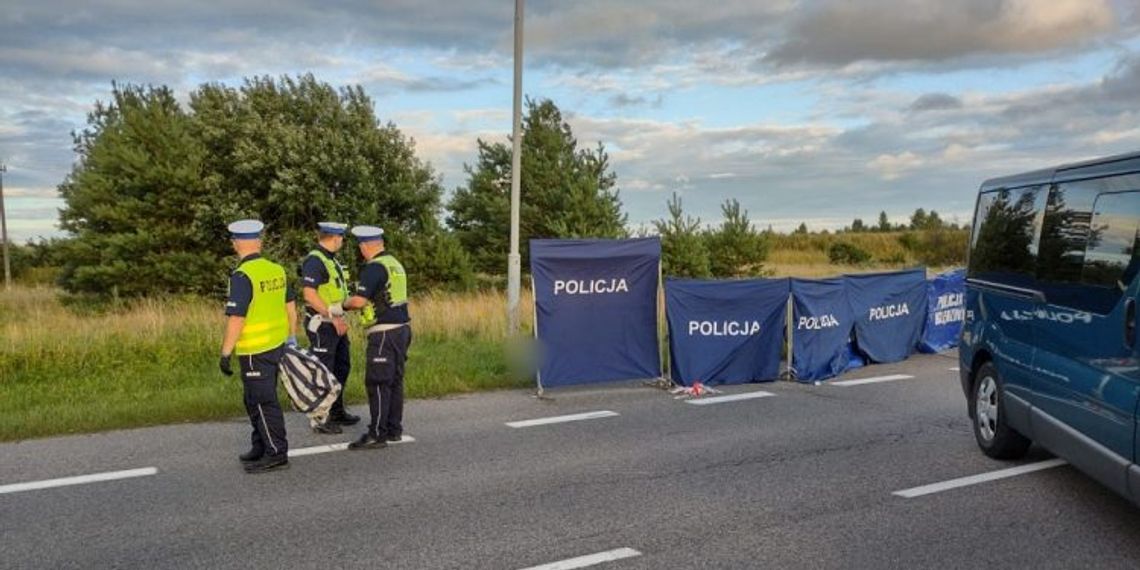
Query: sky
816,111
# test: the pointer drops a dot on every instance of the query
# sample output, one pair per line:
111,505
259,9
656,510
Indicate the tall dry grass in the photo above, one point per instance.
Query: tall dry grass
34,322
476,315
70,369
806,255
880,245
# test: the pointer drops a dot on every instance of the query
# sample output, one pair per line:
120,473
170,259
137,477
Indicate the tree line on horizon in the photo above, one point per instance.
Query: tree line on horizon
147,202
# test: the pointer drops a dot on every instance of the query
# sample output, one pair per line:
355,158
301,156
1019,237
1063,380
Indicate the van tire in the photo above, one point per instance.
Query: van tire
991,430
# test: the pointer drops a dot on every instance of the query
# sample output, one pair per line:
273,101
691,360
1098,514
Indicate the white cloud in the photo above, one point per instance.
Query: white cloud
84,59
448,151
11,131
835,34
1109,136
26,192
955,152
894,166
640,185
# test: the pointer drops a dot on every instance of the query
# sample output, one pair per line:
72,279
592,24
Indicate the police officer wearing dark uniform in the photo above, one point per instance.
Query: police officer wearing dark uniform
325,288
261,319
382,297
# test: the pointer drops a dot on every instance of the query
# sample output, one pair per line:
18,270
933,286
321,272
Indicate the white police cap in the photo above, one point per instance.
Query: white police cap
367,233
246,229
332,228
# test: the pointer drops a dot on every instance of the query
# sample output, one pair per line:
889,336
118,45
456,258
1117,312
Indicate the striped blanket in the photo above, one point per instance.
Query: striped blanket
311,386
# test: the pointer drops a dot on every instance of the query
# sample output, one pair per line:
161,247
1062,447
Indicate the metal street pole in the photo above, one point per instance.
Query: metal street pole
4,231
514,261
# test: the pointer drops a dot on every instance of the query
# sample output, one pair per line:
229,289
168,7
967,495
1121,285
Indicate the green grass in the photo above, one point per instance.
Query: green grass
119,389
151,363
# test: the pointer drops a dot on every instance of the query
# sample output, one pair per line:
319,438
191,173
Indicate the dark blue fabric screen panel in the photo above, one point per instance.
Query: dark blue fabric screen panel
822,322
890,310
725,332
596,303
946,310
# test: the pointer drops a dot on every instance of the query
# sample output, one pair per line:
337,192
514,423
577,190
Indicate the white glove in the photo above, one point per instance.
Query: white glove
336,310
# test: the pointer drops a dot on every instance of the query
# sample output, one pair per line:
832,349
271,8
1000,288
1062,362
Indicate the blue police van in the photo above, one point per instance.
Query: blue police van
1049,349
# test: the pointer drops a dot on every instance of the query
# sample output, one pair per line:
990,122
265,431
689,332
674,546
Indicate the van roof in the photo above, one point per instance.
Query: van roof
1117,164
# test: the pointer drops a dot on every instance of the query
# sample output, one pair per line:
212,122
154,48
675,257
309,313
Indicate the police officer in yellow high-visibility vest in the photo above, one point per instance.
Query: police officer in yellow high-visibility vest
261,319
324,283
382,297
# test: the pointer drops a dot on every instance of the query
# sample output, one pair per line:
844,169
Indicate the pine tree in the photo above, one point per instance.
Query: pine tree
683,249
133,204
918,220
736,248
566,192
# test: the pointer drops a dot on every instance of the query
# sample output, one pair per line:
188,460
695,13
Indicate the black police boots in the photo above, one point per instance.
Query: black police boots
368,441
251,455
268,463
328,427
344,419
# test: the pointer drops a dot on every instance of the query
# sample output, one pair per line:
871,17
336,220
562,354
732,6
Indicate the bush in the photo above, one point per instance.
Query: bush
736,249
684,251
37,263
896,258
157,181
937,247
437,261
847,253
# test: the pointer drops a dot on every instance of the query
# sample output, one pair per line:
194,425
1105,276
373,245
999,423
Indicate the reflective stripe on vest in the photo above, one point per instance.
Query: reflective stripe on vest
396,292
267,321
335,289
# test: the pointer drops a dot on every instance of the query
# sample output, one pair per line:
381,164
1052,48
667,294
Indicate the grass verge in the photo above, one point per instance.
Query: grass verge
148,363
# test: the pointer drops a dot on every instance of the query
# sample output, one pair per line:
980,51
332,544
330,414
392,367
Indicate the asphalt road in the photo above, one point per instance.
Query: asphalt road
802,479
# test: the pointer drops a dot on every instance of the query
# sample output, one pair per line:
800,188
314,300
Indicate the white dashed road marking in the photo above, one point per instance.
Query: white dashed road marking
588,560
300,452
562,419
78,480
873,380
730,398
981,478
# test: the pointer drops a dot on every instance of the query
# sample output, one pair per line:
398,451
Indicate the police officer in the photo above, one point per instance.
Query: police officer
382,297
324,287
261,319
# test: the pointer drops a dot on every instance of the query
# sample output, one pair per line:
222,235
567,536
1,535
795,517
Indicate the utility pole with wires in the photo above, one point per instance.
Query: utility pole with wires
4,231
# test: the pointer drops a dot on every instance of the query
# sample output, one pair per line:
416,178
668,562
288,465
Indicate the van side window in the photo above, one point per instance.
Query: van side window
1112,260
1065,232
1006,232
1064,236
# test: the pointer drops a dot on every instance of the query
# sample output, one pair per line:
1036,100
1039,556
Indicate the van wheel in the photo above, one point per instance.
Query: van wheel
994,435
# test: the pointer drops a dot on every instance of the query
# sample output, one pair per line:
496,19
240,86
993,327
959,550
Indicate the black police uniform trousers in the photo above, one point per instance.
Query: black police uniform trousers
259,378
333,351
384,380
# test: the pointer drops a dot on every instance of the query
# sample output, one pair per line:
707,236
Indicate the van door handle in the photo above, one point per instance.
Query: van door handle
1129,322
